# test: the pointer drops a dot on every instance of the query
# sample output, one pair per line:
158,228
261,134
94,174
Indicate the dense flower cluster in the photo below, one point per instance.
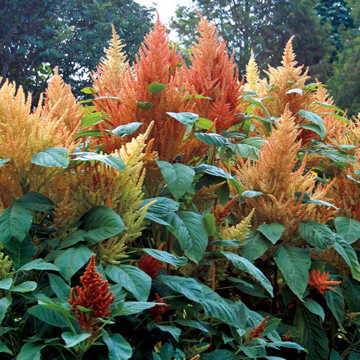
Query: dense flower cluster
321,281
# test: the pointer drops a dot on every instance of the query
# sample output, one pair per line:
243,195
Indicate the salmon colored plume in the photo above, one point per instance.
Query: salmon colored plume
258,330
214,74
158,64
94,294
321,281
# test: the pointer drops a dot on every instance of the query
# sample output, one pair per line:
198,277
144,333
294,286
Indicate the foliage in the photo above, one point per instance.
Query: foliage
203,226
38,35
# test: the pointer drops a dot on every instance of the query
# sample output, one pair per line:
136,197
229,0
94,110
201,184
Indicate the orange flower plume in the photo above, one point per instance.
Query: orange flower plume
94,294
157,62
320,281
258,330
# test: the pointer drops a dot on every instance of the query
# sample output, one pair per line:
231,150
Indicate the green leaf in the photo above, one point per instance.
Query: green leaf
335,302
255,247
49,316
334,355
210,225
119,348
71,339
347,252
92,119
186,118
272,231
294,264
316,234
20,252
200,325
5,284
86,133
172,330
162,207
215,306
188,228
212,170
52,157
156,88
212,139
15,222
30,351
38,264
72,260
35,201
348,228
133,307
5,303
315,308
178,177
203,123
5,349
25,287
88,90
166,257
110,160
59,287
4,161
101,223
246,266
125,130
136,281
316,120
144,105
251,193
219,354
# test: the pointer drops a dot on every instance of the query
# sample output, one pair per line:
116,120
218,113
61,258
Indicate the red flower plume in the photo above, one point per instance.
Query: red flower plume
158,310
258,330
94,294
320,281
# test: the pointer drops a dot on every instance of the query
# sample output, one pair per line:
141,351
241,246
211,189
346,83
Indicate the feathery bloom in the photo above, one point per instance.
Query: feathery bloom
94,294
239,231
320,281
5,266
258,330
150,265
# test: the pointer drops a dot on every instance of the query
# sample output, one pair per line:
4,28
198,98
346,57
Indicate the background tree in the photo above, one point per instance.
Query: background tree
263,26
37,35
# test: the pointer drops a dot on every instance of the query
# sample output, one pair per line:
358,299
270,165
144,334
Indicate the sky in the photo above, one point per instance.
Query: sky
166,8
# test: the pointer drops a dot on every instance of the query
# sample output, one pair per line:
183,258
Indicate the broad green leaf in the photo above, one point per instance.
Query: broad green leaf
348,228
214,305
4,161
119,348
335,302
101,223
38,264
219,354
212,170
347,252
316,120
110,160
92,119
71,339
186,118
5,284
15,222
5,302
316,234
136,281
20,252
189,230
294,264
172,330
72,260
200,325
251,193
166,257
315,308
25,287
125,130
212,139
86,133
178,177
203,123
272,231
30,351
49,316
252,289
4,349
59,287
156,88
133,307
52,157
159,210
35,201
334,355
255,247
246,266
210,224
